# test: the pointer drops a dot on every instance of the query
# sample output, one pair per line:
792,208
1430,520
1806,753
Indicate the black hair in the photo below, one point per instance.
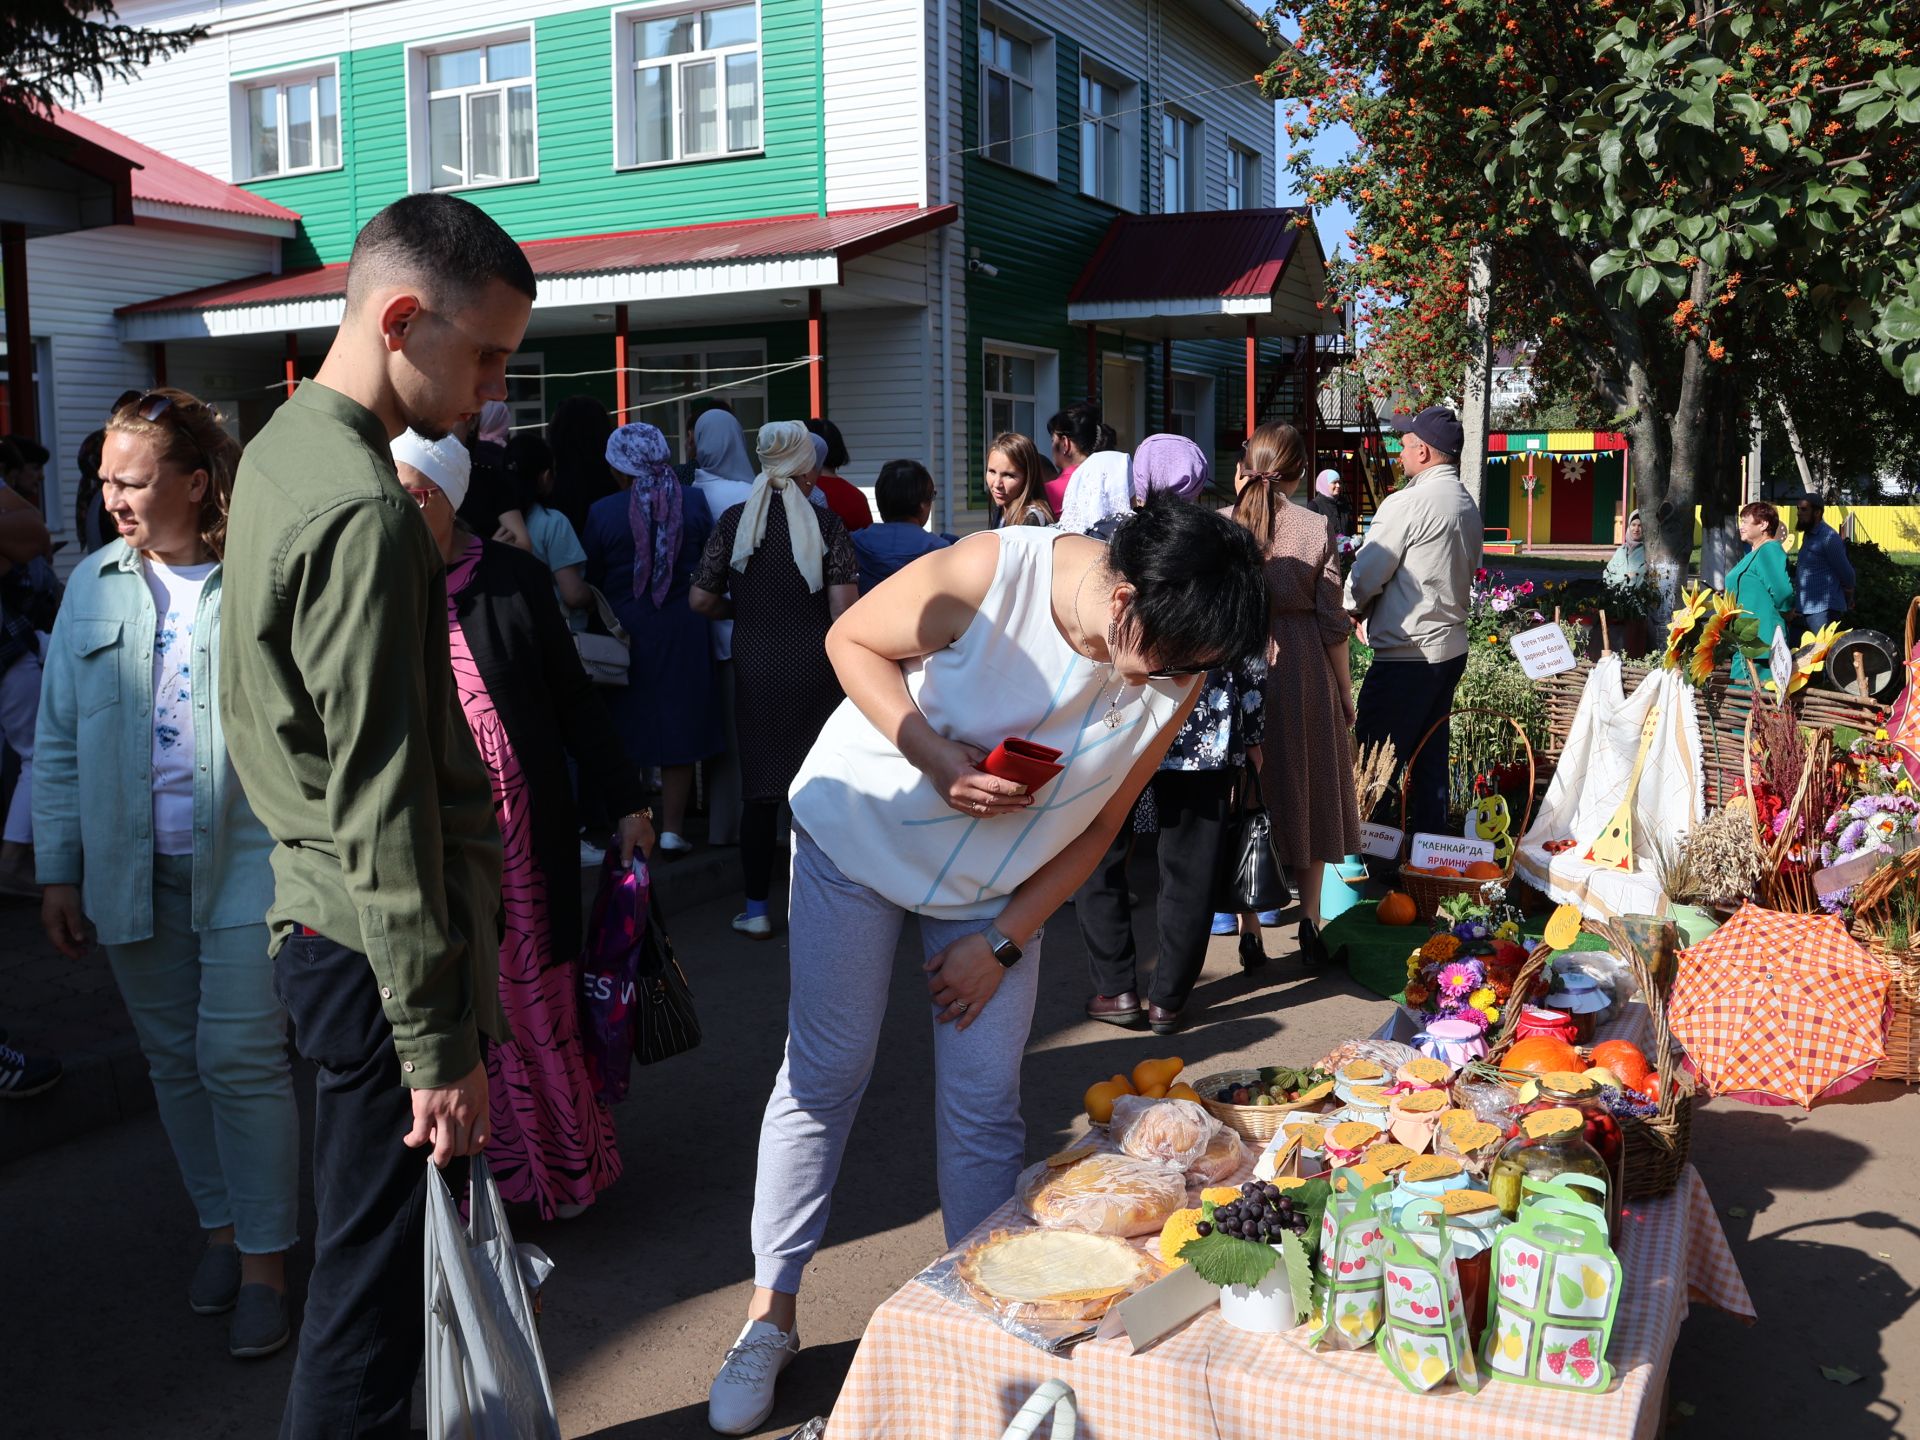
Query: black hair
27,452
449,245
903,487
10,457
578,433
527,458
836,444
1199,582
1080,423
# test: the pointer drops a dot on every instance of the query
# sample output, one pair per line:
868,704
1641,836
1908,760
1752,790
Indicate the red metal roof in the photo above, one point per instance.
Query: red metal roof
1225,254
164,180
847,235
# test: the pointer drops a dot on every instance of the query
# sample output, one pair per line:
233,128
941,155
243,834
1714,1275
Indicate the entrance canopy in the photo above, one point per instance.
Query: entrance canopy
53,180
685,263
1208,275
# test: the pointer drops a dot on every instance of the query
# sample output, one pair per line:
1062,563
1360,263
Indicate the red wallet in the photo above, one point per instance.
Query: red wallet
1023,762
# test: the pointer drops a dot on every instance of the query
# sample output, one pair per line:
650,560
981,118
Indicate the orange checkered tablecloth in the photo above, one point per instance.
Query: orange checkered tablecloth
929,1368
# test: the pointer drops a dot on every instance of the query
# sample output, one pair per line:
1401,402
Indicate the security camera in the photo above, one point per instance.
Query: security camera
981,267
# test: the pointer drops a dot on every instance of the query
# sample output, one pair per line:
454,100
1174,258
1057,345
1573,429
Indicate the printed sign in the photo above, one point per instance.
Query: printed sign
1782,667
1543,651
1381,841
1455,850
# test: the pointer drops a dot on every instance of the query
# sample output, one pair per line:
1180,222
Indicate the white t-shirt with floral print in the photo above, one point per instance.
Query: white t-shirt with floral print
176,602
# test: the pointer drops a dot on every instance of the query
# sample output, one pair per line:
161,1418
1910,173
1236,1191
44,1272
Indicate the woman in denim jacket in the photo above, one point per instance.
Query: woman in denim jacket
143,839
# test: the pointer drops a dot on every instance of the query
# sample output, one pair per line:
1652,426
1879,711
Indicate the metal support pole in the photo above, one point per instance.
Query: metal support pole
293,363
22,413
622,380
1093,366
159,363
1253,371
817,348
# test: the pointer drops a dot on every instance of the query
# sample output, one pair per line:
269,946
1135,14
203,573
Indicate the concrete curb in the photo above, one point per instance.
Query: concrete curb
108,1083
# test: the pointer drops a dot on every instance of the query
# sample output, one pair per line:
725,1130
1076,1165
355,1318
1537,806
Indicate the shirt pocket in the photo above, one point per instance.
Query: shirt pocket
95,645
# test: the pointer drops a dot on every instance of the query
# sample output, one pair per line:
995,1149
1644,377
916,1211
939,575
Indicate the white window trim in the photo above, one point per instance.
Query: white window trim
1046,386
1204,411
1252,175
1193,164
1046,102
756,387
537,361
240,122
624,65
1093,66
419,91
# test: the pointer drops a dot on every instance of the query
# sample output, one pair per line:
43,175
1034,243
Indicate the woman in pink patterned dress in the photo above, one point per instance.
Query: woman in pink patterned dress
529,705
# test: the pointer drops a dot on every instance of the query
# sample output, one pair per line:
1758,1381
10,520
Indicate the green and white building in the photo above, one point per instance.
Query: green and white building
926,219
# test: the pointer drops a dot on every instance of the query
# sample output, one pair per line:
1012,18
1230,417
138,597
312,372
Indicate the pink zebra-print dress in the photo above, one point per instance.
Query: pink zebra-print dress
551,1141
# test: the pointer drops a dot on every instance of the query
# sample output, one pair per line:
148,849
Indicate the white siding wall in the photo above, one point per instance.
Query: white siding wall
76,281
877,381
872,88
946,406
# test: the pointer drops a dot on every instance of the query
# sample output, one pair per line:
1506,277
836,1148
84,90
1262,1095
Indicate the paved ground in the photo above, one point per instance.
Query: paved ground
650,1285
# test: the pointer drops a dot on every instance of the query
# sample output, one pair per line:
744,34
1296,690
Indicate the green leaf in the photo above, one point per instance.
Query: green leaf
1612,144
1873,112
1666,252
1699,110
1228,1260
1714,251
1910,373
1801,114
1300,1271
1606,263
1902,321
1642,284
1840,1374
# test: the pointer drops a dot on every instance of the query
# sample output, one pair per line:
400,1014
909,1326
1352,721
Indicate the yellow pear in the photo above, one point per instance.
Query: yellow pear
1593,1282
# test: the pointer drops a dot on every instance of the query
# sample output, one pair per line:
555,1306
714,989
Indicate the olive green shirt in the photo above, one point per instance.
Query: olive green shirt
346,730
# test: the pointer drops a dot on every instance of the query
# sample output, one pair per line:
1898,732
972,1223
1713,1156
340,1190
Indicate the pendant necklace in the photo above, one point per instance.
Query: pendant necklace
1112,718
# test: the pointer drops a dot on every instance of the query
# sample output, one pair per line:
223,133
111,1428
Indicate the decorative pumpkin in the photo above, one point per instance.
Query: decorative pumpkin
1542,1055
1451,872
1625,1059
1484,870
1397,909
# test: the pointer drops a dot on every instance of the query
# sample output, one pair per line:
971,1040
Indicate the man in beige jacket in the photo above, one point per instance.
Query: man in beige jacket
1410,584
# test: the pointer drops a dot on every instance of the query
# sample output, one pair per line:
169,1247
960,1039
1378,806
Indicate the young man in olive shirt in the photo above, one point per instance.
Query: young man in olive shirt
345,729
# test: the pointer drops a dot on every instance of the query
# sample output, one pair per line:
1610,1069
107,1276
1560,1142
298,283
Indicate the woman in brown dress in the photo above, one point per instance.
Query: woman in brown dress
1307,773
782,569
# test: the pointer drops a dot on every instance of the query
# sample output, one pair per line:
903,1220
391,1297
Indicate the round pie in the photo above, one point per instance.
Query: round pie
1053,1274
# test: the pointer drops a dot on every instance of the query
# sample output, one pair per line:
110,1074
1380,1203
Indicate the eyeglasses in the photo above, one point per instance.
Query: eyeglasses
1181,672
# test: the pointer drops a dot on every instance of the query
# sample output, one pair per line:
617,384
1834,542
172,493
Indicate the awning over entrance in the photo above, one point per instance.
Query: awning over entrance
1207,275
54,180
794,253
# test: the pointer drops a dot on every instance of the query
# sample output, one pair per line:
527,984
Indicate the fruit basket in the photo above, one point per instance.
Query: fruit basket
1255,1123
1428,889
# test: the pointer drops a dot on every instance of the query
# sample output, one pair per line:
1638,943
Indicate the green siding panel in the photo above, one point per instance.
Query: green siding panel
578,192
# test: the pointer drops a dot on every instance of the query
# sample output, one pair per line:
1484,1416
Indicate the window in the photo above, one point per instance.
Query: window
1243,179
479,114
527,392
1179,163
689,85
1106,129
1006,98
290,123
674,380
1193,409
1012,391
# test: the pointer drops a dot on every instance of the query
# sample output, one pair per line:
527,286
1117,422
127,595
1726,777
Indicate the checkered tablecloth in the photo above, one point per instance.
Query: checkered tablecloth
929,1368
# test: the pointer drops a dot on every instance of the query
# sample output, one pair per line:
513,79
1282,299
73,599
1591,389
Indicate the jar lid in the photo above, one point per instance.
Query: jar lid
1546,1124
1453,1030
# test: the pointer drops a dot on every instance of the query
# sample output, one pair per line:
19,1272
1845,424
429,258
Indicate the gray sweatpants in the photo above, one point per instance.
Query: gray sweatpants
842,939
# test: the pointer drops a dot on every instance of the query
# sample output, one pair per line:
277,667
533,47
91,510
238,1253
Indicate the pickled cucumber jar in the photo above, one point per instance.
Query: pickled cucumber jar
1550,1144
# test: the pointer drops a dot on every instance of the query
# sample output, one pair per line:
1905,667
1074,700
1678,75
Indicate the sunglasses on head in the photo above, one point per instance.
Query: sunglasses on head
154,405
1180,672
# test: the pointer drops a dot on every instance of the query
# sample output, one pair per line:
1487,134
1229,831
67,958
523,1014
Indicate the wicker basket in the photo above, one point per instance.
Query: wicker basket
1428,891
1257,1123
1871,904
1653,1151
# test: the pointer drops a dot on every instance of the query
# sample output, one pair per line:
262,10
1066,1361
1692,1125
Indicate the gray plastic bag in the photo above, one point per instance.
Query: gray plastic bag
486,1377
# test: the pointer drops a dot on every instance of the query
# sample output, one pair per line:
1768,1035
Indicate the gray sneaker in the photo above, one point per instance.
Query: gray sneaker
259,1324
215,1281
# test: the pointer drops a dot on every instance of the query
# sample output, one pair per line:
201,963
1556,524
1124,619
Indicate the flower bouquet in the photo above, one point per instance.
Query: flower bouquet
1466,969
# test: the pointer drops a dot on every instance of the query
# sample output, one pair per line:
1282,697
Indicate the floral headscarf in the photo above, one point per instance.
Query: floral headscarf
653,505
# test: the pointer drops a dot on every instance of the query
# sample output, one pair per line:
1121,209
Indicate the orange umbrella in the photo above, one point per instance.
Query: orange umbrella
1780,1009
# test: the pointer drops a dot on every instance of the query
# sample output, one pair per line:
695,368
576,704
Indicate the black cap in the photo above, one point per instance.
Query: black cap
1437,425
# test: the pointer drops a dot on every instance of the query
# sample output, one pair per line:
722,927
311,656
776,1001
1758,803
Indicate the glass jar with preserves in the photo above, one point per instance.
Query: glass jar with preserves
1551,1143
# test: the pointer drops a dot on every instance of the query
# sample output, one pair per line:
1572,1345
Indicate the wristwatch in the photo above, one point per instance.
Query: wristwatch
1004,950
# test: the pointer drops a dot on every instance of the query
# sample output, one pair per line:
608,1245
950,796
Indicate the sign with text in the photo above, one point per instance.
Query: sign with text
1456,850
1782,666
1381,841
1543,651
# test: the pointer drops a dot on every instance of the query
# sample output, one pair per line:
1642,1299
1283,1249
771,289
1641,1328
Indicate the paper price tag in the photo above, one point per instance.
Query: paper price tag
1782,666
1543,651
1455,850
1381,841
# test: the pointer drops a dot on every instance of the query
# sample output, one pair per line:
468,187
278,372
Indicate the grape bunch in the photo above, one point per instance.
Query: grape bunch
1262,1213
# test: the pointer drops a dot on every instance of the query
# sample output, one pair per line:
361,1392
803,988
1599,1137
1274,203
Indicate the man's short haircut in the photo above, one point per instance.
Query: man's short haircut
903,487
450,247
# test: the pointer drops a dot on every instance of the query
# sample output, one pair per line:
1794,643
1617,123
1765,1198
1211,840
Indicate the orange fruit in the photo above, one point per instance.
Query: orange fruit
1155,1075
1484,870
1099,1101
1624,1059
1397,909
1541,1055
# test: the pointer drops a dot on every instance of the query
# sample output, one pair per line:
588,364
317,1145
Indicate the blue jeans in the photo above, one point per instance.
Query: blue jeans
215,1038
1817,620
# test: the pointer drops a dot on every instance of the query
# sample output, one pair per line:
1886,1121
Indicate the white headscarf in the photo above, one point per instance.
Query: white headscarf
786,453
1101,486
444,461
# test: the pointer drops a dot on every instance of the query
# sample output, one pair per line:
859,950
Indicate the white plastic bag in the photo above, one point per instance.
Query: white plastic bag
486,1377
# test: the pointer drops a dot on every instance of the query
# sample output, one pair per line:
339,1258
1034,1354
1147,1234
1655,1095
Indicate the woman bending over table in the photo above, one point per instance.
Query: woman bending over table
1093,649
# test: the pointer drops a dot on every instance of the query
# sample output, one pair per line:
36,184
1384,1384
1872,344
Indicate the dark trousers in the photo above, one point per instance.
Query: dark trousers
759,840
364,1330
1193,820
1400,700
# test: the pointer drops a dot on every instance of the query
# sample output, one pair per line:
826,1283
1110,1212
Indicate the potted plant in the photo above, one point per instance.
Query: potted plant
1258,1249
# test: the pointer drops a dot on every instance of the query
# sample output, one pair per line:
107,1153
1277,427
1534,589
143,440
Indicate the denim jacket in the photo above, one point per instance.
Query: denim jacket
93,761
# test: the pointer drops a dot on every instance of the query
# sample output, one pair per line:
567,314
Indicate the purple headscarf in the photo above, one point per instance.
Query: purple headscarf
1172,463
496,422
653,505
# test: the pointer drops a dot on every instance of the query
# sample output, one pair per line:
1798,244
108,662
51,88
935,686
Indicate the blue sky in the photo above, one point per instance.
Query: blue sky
1333,221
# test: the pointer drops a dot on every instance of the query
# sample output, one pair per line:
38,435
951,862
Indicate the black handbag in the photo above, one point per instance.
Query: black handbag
1250,875
665,1022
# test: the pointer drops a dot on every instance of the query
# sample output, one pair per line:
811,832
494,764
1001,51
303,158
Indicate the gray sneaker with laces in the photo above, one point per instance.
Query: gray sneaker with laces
741,1396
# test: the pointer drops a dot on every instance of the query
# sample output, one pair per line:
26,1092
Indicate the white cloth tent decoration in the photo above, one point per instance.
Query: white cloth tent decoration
1592,777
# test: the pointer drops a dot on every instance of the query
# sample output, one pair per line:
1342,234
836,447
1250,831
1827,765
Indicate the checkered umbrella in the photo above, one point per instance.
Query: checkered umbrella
1780,1009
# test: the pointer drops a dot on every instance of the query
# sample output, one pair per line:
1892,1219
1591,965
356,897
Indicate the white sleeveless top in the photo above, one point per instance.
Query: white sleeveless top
1012,673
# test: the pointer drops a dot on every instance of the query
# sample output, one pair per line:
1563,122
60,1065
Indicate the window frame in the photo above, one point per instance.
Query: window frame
1191,159
1126,121
1250,181
241,88
420,95
1044,85
521,361
1203,409
1045,398
627,64
639,408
